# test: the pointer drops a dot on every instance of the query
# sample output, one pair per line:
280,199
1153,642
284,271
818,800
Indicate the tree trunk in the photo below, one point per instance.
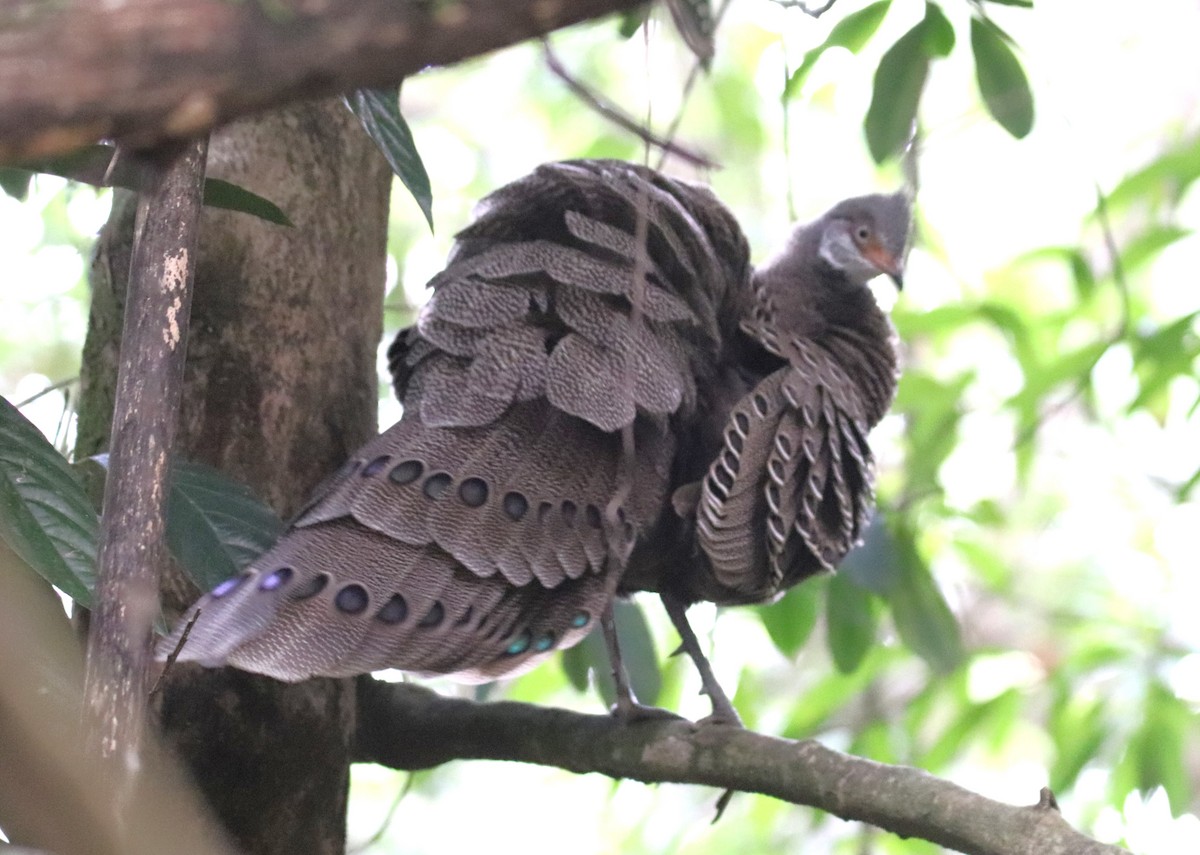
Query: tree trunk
281,385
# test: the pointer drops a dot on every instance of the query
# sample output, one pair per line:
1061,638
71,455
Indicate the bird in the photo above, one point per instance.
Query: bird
602,396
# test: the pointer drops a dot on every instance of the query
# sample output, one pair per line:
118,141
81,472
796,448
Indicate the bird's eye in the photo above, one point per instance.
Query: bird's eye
862,233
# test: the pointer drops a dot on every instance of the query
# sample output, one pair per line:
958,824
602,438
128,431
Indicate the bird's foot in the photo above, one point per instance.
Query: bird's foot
723,713
629,711
728,718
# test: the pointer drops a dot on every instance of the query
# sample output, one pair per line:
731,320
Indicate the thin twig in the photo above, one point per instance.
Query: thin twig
722,803
620,546
688,84
174,654
1114,257
53,387
404,790
614,114
785,102
812,11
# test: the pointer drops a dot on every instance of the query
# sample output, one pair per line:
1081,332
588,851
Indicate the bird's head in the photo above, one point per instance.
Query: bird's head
866,236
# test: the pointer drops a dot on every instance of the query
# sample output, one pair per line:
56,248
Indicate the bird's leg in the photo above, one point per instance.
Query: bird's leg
625,702
626,708
620,535
722,708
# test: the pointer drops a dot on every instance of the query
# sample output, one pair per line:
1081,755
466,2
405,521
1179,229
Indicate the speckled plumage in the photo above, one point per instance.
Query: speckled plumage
488,527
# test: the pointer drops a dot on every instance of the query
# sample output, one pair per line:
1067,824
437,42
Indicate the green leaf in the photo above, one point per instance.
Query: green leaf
231,197
939,32
1167,177
215,525
1156,756
1161,356
832,692
15,182
1078,726
933,408
1002,80
1145,246
629,22
1024,4
575,664
1074,366
856,29
790,620
873,563
877,741
637,653
923,618
1183,493
594,656
971,721
379,112
94,165
45,516
851,33
899,80
851,621
993,570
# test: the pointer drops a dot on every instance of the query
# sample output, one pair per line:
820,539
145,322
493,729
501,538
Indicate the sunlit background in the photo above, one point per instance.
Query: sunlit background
1043,458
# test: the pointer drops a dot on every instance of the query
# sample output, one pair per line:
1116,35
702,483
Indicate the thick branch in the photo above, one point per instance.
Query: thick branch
408,727
144,70
149,385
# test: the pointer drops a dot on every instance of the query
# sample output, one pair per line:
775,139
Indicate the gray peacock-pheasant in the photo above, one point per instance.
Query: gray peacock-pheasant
601,396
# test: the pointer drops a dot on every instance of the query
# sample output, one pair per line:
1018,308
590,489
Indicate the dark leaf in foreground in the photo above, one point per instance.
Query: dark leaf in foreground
45,515
379,112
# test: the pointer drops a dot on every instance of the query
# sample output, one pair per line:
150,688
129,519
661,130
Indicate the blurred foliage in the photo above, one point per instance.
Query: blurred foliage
1020,613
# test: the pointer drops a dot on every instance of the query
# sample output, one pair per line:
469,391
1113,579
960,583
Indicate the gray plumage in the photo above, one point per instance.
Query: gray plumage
496,520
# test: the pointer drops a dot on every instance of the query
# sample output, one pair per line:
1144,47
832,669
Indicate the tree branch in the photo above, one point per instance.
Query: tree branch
143,71
409,727
149,384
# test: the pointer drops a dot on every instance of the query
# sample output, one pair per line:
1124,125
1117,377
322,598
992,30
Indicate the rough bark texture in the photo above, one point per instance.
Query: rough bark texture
280,384
144,70
149,382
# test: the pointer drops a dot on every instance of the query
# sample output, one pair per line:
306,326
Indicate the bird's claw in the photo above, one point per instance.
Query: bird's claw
631,712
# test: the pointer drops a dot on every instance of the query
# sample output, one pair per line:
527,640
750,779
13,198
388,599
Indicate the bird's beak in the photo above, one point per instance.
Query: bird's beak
887,263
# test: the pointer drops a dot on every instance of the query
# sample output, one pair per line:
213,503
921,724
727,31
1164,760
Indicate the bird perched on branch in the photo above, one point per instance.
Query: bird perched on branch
601,396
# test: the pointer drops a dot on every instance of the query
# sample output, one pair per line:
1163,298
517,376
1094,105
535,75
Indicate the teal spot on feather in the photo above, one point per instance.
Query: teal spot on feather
520,644
544,642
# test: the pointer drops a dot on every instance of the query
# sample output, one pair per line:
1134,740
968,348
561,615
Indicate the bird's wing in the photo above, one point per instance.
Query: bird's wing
476,535
791,489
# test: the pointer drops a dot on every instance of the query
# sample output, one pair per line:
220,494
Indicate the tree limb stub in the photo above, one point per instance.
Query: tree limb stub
409,727
143,71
